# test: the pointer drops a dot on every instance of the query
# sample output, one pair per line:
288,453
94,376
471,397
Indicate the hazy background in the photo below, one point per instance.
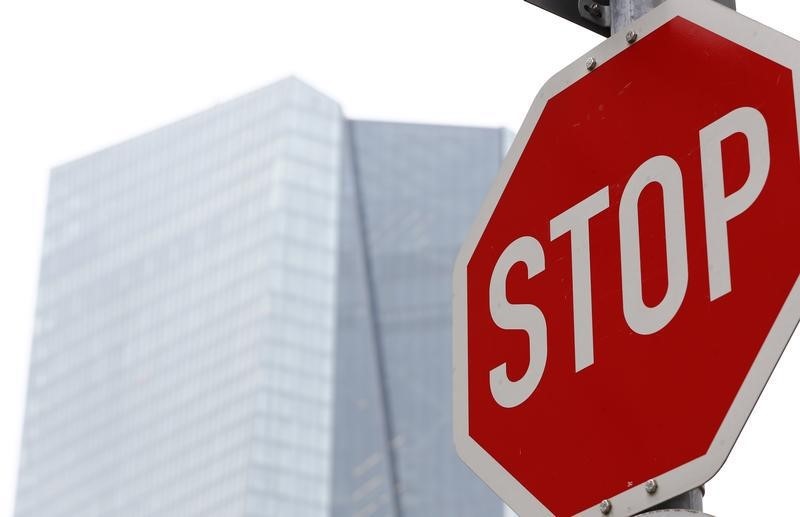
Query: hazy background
78,76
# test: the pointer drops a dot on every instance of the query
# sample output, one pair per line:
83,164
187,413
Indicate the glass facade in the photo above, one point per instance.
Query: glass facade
247,313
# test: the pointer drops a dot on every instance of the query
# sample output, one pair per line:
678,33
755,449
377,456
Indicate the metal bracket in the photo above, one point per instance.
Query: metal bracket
573,11
596,12
600,17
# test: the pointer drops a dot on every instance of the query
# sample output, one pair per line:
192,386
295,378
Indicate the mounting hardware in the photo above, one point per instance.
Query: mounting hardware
631,36
605,507
596,12
651,486
591,64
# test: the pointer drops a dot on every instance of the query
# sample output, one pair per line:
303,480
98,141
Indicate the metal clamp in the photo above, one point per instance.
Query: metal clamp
596,12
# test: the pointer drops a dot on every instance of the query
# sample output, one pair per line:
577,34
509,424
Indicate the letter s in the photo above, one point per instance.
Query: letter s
529,318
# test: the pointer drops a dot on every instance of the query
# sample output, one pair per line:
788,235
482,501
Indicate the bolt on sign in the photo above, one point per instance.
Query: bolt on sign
632,278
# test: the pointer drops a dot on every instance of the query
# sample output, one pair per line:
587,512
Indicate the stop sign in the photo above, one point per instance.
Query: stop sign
632,278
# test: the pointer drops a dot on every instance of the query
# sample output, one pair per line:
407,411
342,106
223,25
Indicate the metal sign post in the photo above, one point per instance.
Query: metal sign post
623,12
691,500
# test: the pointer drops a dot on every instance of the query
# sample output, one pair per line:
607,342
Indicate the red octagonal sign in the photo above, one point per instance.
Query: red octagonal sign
632,278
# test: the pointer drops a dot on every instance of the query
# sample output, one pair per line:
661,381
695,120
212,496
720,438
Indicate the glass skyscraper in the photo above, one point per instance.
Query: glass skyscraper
247,313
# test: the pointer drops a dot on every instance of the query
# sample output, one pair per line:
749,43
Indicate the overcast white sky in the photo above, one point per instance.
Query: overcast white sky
77,76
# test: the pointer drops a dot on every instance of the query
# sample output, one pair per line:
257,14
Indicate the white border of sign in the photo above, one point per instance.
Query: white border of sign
747,33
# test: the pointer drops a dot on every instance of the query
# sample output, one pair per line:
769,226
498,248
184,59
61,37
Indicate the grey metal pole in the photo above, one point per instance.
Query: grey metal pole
623,13
691,500
676,513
